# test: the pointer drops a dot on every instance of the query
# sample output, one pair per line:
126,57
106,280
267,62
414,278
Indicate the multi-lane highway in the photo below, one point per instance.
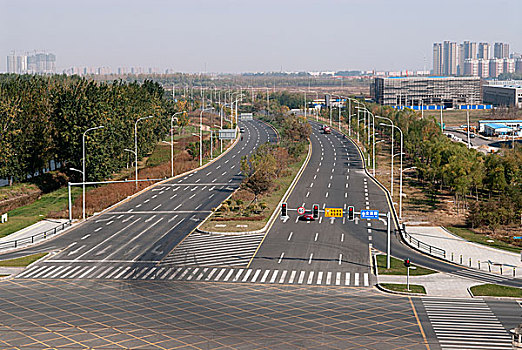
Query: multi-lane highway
129,240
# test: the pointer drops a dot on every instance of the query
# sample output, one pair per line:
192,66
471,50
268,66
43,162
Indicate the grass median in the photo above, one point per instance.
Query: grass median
23,261
495,290
397,268
414,288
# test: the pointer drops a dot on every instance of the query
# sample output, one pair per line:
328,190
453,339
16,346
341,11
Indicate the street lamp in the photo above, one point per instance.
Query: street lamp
391,156
83,172
201,134
136,144
400,173
172,142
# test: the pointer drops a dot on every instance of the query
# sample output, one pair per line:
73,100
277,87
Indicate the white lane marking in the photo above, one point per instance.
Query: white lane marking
229,274
156,207
146,201
340,258
281,257
209,276
342,237
139,205
151,218
110,222
310,260
98,229
192,196
315,176
87,272
311,185
130,217
307,194
265,275
326,195
238,274
316,236
210,172
254,278
290,235
366,282
347,280
345,195
328,278
356,279
274,276
310,277
122,272
247,274
223,173
320,219
174,196
320,277
86,236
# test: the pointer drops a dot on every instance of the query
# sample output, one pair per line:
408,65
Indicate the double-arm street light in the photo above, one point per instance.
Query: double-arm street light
83,166
400,173
201,134
391,156
172,141
136,145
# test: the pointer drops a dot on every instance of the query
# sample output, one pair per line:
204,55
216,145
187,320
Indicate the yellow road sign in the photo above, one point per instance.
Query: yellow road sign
333,212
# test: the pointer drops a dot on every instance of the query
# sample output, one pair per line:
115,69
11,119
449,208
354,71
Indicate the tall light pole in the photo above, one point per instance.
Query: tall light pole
172,142
83,167
391,156
400,178
201,135
136,145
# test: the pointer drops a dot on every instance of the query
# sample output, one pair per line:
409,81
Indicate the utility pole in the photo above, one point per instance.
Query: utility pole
467,120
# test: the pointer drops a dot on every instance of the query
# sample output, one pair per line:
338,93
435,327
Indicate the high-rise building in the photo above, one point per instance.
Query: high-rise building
496,67
471,66
470,50
483,68
39,63
11,63
501,50
449,62
437,59
483,51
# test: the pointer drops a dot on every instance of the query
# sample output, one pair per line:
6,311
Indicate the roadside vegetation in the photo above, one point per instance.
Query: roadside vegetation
414,288
23,261
397,267
495,290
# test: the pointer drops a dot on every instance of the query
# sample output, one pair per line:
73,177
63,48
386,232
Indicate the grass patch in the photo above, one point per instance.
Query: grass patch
23,261
494,290
482,239
27,215
16,190
414,288
397,267
3,276
160,155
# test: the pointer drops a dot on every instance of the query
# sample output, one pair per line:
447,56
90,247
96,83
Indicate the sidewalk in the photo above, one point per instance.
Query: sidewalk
26,233
436,284
472,254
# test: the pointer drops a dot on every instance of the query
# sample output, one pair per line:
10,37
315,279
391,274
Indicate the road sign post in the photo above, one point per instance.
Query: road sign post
388,242
300,210
369,214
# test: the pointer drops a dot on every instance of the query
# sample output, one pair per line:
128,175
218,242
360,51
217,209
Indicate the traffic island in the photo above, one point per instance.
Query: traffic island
402,288
23,261
397,267
495,290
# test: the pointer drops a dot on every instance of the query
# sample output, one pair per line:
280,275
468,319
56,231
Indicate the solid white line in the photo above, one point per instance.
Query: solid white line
281,257
356,281
290,235
347,279
340,258
310,260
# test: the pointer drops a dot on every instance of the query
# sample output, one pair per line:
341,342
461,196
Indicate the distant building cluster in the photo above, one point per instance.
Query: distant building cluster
474,59
37,63
120,71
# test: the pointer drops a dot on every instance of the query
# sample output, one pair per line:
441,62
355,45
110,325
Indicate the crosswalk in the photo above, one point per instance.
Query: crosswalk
466,324
185,273
215,250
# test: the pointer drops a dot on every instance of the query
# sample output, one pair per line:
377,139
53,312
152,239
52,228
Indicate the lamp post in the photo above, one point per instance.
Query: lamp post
172,142
400,173
70,205
201,135
83,172
136,145
391,156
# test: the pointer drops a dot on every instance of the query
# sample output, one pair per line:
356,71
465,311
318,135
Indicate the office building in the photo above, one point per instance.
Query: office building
501,50
449,62
437,59
483,51
416,91
503,95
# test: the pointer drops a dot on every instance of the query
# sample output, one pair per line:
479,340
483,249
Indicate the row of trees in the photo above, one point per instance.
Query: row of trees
483,183
42,118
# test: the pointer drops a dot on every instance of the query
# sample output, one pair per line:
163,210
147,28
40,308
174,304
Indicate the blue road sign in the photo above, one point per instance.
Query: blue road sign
369,214
517,237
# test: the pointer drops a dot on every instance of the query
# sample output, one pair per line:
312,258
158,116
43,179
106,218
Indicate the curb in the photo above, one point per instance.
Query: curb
125,200
386,290
270,221
491,297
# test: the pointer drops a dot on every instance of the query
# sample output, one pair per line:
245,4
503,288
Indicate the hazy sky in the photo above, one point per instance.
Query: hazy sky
246,36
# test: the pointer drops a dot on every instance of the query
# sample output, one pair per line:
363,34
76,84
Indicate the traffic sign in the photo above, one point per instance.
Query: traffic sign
300,210
333,212
517,237
369,214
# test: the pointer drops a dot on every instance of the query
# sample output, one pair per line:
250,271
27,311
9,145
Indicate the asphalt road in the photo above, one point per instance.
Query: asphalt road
143,230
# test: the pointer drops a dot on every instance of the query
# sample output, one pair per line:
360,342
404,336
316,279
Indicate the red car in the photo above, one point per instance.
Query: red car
307,217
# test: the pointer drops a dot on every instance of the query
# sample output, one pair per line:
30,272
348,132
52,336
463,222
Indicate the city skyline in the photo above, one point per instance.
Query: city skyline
233,36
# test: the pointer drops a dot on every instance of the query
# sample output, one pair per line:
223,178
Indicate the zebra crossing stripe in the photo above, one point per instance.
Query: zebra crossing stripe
274,276
202,274
283,275
366,282
356,282
347,279
122,272
176,271
265,275
255,276
70,271
43,270
236,277
139,272
228,275
189,277
328,278
77,273
183,274
310,277
301,277
104,272
56,272
28,272
113,273
247,274
338,279
320,277
148,273
292,276
87,272
220,274
210,274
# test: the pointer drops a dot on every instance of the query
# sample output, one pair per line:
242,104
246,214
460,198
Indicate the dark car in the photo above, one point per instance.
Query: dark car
307,217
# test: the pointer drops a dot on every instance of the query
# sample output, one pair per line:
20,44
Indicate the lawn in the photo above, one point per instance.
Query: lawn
397,267
482,239
27,215
23,261
414,288
494,290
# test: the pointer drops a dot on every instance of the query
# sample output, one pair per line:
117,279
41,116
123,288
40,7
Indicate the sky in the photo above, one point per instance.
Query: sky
252,35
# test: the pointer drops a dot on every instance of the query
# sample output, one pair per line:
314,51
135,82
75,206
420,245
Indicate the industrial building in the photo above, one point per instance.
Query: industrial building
450,92
499,127
503,95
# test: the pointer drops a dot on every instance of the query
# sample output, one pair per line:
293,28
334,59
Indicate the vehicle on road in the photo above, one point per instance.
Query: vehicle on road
241,130
307,217
327,130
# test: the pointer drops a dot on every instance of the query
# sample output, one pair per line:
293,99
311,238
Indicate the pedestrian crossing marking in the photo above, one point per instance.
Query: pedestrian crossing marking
188,273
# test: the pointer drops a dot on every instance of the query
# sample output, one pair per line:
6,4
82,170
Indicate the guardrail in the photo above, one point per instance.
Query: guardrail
423,246
34,238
